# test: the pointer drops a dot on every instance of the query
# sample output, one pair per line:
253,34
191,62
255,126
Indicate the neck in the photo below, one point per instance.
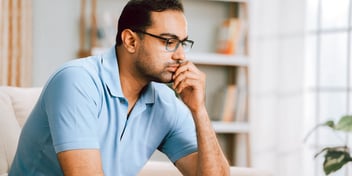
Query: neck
131,87
131,84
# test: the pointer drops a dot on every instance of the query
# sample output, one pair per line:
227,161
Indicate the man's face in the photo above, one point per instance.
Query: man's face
154,62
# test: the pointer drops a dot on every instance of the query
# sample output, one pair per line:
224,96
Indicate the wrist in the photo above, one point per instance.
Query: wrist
200,113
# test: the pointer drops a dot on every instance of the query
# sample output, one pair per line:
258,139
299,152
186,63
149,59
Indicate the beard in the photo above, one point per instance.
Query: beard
153,71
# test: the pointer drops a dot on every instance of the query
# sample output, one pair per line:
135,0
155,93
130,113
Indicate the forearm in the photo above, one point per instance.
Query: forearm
189,82
211,160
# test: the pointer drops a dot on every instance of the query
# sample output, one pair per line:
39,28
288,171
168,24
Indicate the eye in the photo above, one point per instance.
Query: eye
172,41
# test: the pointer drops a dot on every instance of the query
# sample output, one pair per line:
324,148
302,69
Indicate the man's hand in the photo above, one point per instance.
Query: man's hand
189,82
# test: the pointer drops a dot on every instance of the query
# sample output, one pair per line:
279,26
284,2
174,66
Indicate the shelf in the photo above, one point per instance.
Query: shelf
218,59
230,127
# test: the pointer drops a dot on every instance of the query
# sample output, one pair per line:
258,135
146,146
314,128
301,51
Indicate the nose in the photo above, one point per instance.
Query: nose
179,54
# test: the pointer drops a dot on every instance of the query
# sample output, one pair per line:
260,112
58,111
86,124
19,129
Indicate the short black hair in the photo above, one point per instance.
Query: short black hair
136,15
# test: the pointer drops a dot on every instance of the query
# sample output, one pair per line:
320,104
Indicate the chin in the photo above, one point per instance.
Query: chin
164,80
169,80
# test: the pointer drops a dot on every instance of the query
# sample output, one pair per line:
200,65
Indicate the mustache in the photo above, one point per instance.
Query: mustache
180,61
175,63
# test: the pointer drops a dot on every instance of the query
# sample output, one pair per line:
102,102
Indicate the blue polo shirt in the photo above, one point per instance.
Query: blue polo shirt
82,106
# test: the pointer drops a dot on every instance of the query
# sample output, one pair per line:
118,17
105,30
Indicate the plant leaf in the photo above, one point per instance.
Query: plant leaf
344,124
336,148
335,159
329,123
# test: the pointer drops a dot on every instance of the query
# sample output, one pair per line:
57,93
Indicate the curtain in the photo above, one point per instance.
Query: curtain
16,42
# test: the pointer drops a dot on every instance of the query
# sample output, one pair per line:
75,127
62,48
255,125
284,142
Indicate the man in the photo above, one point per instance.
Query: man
107,114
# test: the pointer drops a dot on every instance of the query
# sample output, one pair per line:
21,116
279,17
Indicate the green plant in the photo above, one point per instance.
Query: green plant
337,156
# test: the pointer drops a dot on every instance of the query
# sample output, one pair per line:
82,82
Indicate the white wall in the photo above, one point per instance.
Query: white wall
55,36
56,33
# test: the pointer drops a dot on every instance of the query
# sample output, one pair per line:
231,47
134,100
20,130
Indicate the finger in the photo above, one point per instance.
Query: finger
190,80
185,66
183,76
188,83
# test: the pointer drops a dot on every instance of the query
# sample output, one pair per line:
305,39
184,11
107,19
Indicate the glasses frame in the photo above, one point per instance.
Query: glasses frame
191,42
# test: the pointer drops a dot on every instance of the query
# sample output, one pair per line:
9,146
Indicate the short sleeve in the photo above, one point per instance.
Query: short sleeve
71,101
182,139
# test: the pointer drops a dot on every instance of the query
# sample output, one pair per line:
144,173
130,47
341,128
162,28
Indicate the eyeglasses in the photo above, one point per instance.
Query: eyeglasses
171,44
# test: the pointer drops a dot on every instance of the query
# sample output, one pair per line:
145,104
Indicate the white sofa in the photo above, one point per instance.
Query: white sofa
15,105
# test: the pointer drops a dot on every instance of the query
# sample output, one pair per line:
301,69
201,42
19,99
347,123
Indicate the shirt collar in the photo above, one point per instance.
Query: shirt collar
111,72
148,94
112,78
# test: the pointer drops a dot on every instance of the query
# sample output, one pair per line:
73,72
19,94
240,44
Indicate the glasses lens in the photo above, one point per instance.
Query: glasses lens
172,44
187,45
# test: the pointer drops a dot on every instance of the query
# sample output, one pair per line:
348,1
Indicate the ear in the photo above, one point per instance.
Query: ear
129,40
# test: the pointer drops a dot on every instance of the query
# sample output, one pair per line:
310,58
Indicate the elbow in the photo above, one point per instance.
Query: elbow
226,169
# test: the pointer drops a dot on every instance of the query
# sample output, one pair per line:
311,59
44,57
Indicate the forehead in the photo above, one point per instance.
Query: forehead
170,21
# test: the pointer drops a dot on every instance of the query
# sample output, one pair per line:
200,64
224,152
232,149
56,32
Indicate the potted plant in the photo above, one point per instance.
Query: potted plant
335,157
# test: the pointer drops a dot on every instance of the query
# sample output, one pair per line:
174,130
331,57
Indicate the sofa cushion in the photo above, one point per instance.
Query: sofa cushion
161,168
23,100
9,133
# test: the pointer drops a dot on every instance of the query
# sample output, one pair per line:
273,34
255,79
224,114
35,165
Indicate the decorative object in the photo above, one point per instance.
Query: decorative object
335,157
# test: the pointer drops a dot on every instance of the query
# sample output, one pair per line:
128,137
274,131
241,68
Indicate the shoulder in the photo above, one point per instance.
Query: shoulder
89,64
75,77
78,70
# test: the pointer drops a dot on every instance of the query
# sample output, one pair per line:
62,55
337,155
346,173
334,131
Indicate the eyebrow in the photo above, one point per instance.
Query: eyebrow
173,36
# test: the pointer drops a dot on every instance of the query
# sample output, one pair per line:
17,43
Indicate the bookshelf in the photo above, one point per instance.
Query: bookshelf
234,135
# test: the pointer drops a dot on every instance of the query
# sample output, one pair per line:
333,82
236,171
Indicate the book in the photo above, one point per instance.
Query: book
224,103
229,35
228,113
242,95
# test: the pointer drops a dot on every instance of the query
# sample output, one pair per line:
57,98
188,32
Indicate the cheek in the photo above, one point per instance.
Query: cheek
155,55
157,49
147,61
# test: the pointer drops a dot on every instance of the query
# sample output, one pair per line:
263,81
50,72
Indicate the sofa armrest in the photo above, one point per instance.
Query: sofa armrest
22,99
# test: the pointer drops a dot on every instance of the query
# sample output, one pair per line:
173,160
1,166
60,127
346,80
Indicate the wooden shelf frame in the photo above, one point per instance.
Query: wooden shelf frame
230,127
218,59
237,131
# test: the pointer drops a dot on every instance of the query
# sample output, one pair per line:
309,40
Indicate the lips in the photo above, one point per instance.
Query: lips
172,67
